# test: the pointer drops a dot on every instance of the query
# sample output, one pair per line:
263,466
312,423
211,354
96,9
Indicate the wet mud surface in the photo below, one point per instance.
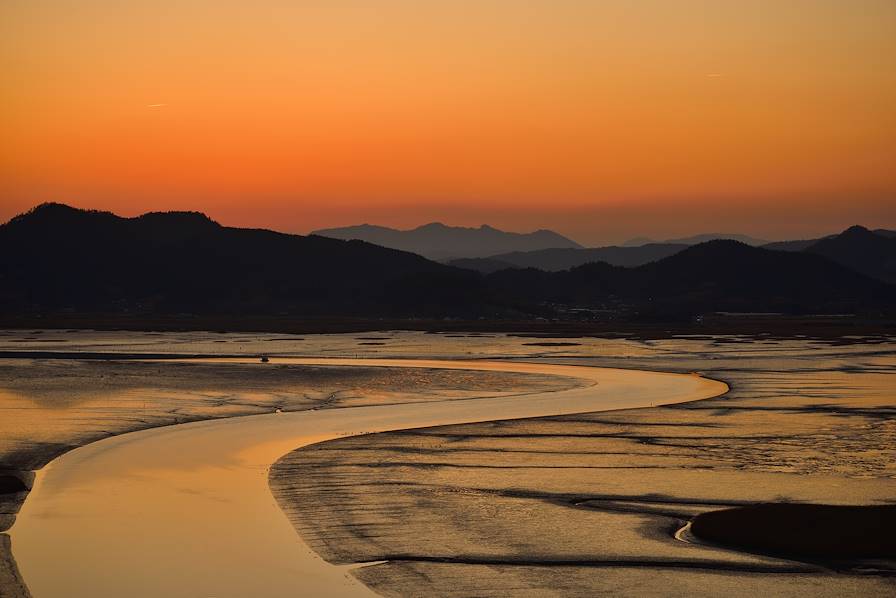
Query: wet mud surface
589,504
572,505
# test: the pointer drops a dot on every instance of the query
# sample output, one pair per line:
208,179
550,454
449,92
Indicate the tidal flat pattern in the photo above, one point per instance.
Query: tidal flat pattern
571,505
589,504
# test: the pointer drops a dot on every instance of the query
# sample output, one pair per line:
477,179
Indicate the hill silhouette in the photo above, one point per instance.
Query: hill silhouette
709,277
696,240
869,252
553,260
872,253
803,244
483,265
793,245
58,259
437,241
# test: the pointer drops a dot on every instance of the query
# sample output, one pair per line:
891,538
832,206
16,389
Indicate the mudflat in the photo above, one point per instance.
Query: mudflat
570,505
195,503
50,405
589,504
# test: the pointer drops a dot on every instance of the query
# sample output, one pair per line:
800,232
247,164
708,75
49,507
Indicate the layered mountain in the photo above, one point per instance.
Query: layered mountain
872,253
697,239
795,245
713,276
553,260
60,258
869,252
437,241
803,244
483,265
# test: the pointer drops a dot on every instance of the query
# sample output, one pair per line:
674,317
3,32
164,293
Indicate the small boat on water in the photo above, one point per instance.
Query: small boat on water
264,359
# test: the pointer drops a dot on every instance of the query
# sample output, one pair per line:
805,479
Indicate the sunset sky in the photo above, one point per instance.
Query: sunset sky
602,120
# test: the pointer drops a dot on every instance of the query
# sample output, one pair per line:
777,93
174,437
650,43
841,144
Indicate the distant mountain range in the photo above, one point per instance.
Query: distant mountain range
437,241
802,244
57,259
696,239
713,276
553,260
870,252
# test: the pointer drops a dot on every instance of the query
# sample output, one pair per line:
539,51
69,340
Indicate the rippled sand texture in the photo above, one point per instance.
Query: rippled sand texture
805,419
584,505
195,502
49,406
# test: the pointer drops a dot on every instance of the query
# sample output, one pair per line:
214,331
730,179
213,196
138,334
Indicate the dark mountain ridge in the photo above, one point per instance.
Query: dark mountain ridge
709,277
870,252
57,259
857,248
553,260
437,241
697,239
801,244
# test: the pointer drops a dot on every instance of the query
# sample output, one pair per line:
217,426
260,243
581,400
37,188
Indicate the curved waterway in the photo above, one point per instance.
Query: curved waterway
185,510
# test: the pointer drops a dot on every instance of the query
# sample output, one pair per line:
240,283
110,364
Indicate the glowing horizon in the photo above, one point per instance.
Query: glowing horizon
602,121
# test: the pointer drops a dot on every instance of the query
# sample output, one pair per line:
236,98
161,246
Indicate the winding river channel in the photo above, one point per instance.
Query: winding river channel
185,510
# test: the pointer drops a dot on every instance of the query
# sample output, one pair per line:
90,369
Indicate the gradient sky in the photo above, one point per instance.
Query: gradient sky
602,120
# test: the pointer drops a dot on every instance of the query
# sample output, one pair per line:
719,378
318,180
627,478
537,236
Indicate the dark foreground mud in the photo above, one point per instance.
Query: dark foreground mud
834,533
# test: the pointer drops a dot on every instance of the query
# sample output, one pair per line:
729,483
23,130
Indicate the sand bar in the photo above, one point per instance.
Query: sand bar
186,510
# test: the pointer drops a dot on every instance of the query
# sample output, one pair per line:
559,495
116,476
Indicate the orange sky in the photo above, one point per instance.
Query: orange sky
602,120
